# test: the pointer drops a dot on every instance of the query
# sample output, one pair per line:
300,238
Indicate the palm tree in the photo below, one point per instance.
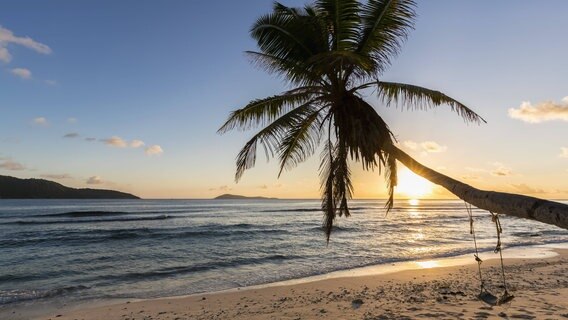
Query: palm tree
329,53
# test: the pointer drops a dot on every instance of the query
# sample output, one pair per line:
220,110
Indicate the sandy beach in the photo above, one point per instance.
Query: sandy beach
540,287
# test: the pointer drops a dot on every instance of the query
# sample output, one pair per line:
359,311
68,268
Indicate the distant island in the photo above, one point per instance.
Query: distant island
15,188
227,196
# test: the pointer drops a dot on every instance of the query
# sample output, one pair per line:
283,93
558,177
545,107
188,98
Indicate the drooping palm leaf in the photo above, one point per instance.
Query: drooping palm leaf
415,97
270,137
300,142
263,111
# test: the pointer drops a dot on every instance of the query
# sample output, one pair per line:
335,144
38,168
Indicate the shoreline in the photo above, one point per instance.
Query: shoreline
532,254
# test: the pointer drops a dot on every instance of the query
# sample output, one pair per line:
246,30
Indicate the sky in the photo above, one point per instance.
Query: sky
128,95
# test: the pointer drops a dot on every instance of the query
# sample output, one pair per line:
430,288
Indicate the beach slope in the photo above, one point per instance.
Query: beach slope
540,287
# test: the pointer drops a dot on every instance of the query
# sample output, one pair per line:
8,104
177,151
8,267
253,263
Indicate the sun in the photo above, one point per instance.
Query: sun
412,185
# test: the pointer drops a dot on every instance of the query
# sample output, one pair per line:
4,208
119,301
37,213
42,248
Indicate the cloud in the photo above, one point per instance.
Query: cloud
470,177
90,139
72,120
433,147
41,121
410,144
12,165
71,135
56,176
500,170
543,111
523,188
426,146
115,141
95,180
563,153
50,82
5,55
136,143
154,150
22,73
263,186
221,188
7,37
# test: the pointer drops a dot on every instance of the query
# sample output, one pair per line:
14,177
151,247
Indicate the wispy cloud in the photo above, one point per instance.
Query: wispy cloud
90,139
426,146
41,121
12,166
5,55
470,177
22,73
136,143
115,141
523,188
95,180
224,188
71,135
543,111
56,176
433,147
154,150
7,37
501,170
563,152
50,82
118,142
72,120
410,144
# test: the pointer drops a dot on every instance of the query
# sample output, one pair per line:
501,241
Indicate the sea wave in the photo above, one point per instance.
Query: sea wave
34,222
102,235
193,268
12,296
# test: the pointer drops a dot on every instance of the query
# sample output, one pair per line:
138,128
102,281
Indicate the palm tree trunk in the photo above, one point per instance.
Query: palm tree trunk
497,202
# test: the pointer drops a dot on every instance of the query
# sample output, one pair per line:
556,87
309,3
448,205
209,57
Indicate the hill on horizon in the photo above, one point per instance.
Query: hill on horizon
16,188
228,196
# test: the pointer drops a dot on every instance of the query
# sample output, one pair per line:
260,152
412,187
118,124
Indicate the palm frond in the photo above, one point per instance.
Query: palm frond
263,111
270,137
338,61
363,131
342,18
292,71
336,184
386,24
391,178
289,34
301,141
415,97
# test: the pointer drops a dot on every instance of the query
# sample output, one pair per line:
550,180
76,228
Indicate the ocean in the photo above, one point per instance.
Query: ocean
75,251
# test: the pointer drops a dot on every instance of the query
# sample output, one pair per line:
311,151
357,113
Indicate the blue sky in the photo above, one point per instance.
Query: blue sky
168,73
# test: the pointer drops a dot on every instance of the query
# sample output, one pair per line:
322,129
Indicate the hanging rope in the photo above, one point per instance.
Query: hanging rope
485,295
476,255
506,297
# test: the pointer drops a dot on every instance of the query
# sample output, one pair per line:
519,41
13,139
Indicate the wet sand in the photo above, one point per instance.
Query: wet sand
540,287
